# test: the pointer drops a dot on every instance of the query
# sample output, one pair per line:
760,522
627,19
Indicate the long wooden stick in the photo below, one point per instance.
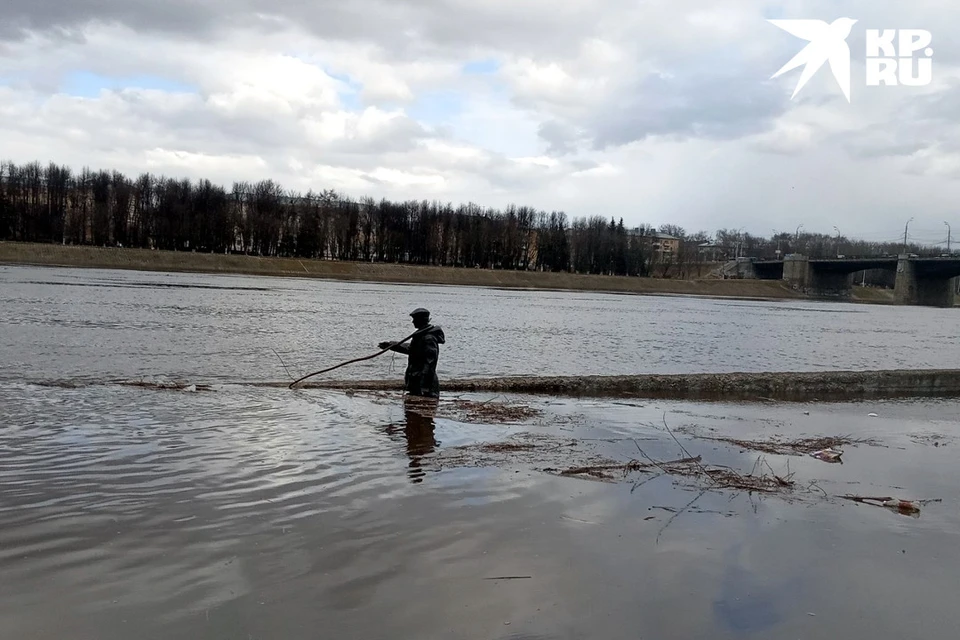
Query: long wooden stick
316,373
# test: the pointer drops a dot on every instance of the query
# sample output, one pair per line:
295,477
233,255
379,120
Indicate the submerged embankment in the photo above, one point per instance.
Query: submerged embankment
786,386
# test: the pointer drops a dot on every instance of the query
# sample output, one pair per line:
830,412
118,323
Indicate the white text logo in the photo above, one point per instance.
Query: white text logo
892,65
891,54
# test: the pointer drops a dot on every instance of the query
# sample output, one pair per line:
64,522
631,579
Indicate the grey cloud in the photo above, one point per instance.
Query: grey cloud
197,127
408,29
374,181
941,106
55,17
779,145
715,93
524,27
507,176
924,122
411,29
400,136
582,164
700,105
881,149
880,141
561,138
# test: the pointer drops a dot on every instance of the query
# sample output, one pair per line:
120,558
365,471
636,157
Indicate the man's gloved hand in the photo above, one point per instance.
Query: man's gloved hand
385,345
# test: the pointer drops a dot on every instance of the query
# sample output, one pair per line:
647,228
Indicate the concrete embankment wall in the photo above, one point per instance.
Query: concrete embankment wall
794,387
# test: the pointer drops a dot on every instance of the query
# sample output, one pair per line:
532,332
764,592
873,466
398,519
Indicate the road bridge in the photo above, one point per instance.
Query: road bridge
920,281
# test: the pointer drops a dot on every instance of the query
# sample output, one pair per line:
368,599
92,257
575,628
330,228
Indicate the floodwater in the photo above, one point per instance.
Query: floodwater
257,512
92,324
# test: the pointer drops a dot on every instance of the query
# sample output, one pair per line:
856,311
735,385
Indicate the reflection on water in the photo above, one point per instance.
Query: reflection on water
418,431
746,603
267,513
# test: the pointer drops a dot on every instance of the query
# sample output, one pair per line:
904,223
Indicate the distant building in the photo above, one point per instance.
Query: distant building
710,252
665,247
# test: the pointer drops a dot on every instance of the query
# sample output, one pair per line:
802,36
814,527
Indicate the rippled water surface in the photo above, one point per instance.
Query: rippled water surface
250,512
70,323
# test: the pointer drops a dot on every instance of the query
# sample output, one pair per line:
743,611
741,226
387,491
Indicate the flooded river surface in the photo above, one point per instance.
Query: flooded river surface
94,324
257,512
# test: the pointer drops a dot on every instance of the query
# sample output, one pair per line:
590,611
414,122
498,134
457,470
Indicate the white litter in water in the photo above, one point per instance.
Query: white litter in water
828,455
871,415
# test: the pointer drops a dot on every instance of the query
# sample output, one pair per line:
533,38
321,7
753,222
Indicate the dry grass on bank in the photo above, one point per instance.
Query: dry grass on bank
174,261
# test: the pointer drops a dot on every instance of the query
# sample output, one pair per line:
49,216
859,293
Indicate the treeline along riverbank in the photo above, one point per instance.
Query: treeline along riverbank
55,204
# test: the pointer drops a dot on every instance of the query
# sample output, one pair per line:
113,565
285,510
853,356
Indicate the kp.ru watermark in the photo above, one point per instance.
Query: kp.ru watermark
894,56
891,65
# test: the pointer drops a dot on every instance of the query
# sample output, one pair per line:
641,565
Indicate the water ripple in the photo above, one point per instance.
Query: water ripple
255,512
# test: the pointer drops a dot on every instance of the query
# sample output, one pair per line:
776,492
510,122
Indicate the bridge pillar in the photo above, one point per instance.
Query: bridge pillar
829,284
796,271
745,268
814,280
905,288
912,289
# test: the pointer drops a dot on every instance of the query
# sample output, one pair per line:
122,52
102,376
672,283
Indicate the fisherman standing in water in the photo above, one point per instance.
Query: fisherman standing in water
422,354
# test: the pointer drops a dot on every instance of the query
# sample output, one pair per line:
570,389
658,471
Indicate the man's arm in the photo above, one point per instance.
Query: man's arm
399,348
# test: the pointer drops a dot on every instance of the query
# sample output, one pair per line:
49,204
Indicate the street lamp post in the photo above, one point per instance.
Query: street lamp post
838,240
905,227
948,236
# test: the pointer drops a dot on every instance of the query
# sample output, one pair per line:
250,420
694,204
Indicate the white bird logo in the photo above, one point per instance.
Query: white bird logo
828,42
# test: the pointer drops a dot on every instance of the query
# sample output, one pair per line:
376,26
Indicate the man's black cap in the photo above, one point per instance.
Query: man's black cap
419,312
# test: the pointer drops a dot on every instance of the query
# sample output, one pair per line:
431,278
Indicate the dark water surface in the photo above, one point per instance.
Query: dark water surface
250,512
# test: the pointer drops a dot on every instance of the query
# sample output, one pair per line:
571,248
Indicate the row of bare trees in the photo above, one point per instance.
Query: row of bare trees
106,208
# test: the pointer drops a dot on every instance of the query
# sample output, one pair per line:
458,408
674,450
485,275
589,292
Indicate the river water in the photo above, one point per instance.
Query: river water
259,512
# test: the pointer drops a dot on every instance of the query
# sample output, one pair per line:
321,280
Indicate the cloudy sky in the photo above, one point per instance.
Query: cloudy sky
657,111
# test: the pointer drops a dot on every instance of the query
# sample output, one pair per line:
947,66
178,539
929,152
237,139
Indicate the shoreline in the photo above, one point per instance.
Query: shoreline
72,256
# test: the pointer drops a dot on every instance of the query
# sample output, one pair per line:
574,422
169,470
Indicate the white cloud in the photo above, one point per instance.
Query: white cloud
786,137
199,163
407,178
279,84
934,162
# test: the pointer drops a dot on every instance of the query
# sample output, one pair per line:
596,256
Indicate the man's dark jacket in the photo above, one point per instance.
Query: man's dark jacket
423,352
